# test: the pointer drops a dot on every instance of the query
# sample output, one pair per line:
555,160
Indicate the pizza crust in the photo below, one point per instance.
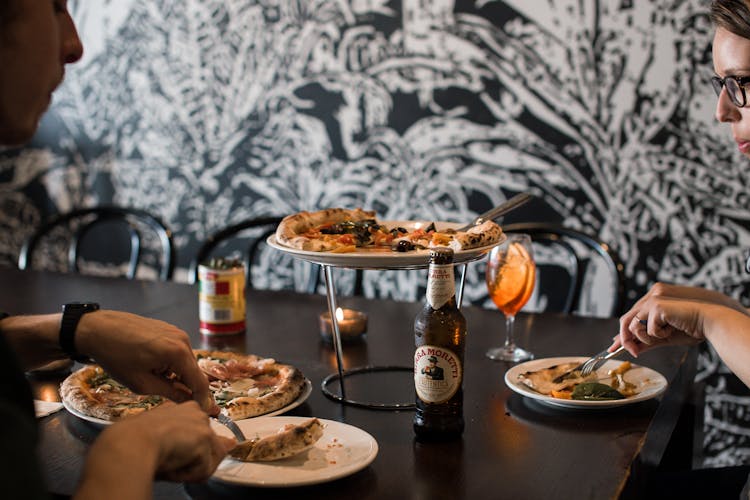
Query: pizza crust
292,227
300,231
478,236
109,401
290,440
290,387
288,383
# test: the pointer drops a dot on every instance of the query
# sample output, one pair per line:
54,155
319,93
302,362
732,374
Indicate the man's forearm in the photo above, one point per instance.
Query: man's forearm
33,338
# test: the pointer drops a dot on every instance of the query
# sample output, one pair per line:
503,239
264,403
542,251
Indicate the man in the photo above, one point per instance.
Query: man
433,371
37,40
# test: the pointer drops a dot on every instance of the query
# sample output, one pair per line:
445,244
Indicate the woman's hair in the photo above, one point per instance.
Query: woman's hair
732,15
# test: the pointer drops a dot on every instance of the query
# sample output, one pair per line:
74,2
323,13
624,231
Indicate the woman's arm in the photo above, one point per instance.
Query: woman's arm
674,321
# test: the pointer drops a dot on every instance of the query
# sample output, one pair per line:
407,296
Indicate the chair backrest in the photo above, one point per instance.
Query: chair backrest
569,263
91,235
252,233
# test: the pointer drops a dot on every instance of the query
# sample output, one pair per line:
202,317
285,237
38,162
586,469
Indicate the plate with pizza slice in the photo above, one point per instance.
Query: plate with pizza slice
615,383
340,450
243,385
357,239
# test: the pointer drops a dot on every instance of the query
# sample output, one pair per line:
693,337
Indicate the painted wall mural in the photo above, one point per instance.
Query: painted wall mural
207,112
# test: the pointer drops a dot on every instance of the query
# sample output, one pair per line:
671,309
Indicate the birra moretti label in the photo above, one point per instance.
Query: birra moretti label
442,285
437,373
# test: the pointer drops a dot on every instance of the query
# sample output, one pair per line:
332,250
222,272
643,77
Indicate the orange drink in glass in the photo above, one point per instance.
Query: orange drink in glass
510,277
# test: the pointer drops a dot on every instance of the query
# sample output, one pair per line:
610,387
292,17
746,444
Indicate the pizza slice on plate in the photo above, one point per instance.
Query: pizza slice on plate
93,392
243,385
290,440
341,230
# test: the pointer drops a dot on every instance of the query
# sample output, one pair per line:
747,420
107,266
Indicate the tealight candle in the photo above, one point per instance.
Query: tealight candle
352,325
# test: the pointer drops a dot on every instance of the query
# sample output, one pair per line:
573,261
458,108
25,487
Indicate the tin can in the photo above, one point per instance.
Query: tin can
221,304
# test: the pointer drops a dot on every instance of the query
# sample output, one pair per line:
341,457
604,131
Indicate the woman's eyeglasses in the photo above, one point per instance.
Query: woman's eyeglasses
735,88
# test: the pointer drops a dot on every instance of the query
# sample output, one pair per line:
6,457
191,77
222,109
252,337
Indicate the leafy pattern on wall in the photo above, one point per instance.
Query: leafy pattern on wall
206,112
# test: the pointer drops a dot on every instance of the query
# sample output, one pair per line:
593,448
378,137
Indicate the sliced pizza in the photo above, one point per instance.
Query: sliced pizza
313,230
341,230
247,386
243,386
290,440
93,392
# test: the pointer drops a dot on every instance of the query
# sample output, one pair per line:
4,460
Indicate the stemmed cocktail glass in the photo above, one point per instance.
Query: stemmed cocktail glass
510,279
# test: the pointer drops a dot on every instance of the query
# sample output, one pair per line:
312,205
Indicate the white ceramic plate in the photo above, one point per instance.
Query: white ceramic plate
385,259
343,450
306,390
653,383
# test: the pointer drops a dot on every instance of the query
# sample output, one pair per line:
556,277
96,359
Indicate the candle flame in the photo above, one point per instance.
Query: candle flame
339,314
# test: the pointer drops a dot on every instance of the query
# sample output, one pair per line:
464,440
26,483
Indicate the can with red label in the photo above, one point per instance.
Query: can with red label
221,304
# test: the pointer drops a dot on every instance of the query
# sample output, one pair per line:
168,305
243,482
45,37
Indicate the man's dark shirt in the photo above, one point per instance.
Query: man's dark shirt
20,476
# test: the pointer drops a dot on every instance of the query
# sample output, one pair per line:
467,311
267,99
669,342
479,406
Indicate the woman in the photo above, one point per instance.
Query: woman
37,40
687,315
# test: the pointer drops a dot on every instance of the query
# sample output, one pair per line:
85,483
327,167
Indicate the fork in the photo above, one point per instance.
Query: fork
232,426
594,362
590,365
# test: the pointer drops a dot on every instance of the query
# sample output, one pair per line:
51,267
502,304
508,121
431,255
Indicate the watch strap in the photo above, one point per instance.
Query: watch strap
71,315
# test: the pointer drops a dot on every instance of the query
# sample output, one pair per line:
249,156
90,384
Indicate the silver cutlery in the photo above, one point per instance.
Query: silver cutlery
594,362
499,210
232,426
590,365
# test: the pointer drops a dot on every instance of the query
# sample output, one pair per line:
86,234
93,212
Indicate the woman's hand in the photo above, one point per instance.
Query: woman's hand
147,355
675,325
660,321
173,442
677,315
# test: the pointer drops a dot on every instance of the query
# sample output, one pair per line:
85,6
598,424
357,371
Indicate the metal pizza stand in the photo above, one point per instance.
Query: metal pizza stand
418,259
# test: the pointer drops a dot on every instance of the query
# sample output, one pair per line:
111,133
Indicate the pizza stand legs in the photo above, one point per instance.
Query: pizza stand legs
331,295
340,374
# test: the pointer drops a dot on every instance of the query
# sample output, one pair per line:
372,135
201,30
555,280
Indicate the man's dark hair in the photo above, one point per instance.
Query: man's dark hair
732,15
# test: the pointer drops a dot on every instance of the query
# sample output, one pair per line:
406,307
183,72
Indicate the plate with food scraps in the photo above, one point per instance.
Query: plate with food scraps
304,394
342,450
644,383
384,257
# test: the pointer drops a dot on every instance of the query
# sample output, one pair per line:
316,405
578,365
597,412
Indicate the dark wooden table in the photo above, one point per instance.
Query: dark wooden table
512,448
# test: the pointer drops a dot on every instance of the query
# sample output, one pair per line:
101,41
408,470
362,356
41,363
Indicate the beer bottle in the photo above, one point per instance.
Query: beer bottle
439,337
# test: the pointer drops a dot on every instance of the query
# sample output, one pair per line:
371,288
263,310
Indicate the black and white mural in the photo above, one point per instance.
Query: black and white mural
206,112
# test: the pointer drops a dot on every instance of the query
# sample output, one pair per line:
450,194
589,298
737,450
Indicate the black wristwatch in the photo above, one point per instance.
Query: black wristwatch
71,315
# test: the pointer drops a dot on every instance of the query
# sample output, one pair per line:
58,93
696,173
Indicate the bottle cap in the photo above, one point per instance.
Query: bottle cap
441,255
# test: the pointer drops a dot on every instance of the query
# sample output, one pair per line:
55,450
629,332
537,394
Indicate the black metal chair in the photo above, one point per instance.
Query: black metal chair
253,233
97,237
563,258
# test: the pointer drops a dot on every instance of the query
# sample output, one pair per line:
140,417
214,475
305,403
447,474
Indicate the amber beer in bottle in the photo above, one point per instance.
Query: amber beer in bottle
439,337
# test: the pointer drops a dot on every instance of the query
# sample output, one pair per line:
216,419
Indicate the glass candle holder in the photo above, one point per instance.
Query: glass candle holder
352,325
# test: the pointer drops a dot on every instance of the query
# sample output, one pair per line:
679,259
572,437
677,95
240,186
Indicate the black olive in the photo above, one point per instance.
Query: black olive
429,228
403,246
